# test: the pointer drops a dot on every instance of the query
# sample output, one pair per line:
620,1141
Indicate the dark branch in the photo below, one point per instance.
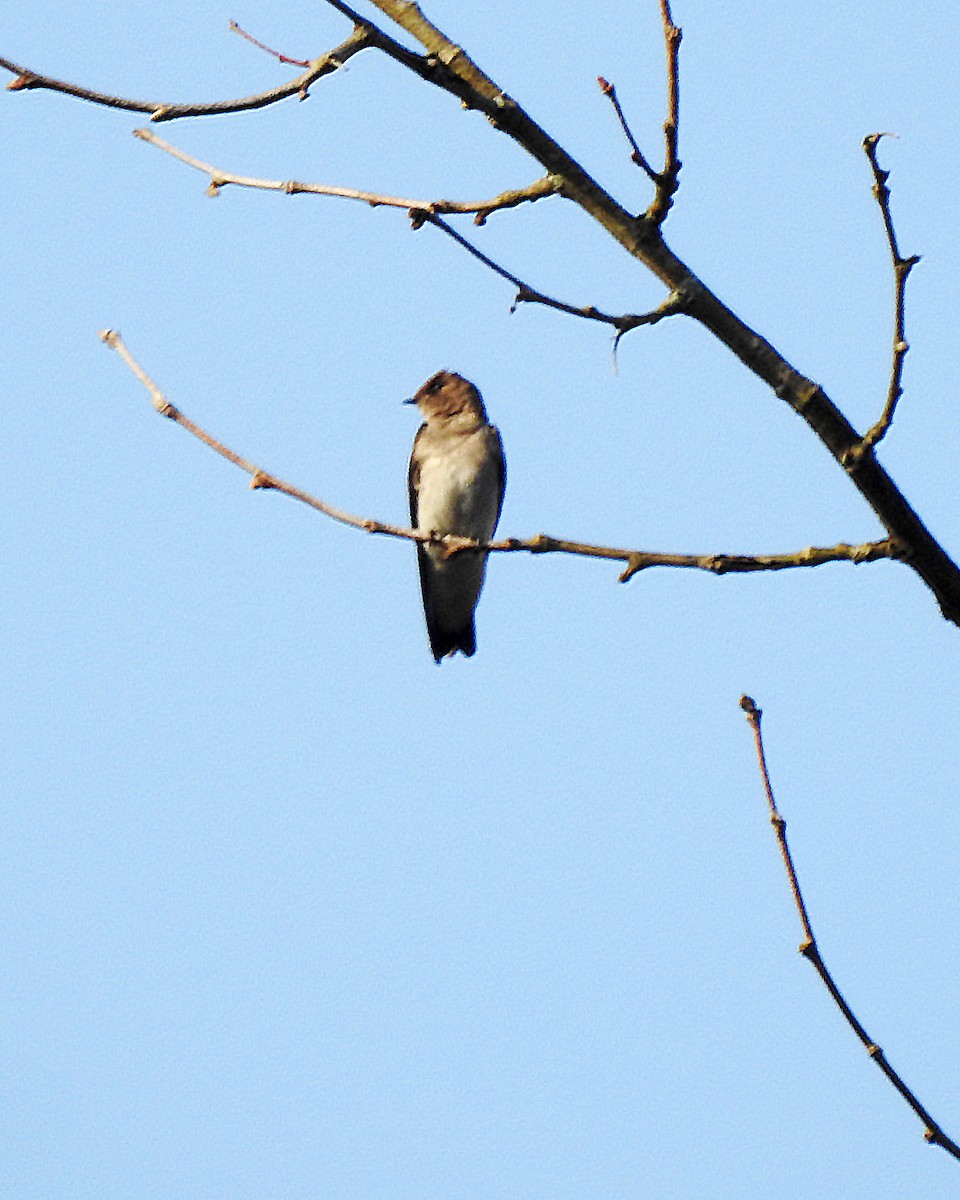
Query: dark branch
811,951
427,212
526,294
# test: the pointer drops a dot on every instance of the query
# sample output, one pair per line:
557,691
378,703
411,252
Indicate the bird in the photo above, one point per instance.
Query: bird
456,481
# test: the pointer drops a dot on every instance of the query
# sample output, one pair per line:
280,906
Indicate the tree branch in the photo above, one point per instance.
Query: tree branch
901,269
547,186
636,560
326,64
811,951
526,294
636,154
283,58
447,66
667,180
427,212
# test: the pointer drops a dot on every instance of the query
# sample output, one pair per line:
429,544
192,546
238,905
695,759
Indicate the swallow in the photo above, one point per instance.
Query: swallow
456,481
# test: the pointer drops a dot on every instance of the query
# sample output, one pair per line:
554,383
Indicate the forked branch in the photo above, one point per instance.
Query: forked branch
636,560
428,212
811,951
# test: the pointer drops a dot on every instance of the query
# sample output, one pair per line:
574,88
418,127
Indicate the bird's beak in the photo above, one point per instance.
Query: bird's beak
410,400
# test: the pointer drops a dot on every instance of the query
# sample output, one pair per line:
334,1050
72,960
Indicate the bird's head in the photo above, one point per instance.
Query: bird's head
446,395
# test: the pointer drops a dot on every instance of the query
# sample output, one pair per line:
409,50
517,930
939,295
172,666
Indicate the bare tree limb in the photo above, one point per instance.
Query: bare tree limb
636,560
427,212
326,64
811,951
665,181
526,294
901,269
547,186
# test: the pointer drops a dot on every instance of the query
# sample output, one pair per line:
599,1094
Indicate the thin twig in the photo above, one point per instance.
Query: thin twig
665,181
326,64
284,58
636,154
547,186
901,269
636,560
811,951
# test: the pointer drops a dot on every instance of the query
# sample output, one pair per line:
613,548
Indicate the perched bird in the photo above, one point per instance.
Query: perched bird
456,479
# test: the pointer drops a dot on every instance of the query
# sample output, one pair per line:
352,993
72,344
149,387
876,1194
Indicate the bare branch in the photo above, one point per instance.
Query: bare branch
636,560
284,58
636,154
728,564
547,186
326,64
811,951
426,212
901,269
667,180
528,295
260,479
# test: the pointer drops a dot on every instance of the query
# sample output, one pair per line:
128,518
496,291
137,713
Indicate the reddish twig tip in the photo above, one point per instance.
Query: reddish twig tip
294,62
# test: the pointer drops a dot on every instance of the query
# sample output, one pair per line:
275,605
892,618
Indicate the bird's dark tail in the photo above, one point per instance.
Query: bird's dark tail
444,642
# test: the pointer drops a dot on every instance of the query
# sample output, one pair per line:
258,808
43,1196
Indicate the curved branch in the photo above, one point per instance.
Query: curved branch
811,951
326,64
526,294
636,560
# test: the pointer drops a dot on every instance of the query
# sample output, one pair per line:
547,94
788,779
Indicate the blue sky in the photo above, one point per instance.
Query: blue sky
287,910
